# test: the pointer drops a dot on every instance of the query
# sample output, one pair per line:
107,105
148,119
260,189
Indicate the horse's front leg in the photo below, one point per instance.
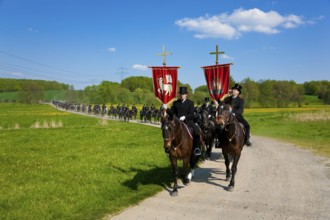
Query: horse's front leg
175,175
233,171
186,171
209,150
227,163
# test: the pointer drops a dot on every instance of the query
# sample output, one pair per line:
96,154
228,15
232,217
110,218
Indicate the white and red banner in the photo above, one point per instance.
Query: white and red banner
217,79
165,79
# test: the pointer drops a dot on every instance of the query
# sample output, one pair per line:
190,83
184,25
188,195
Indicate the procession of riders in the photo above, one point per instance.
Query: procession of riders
204,115
147,114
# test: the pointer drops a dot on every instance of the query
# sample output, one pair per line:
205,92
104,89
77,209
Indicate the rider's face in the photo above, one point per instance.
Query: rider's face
235,92
183,96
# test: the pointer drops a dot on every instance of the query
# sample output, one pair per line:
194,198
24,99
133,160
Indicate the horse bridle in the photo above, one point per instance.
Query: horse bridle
175,136
226,125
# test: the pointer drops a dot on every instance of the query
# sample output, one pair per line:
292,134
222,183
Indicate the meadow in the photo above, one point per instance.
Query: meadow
58,165
307,127
79,168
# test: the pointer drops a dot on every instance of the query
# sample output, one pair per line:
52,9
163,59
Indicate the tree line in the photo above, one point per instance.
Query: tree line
267,93
139,90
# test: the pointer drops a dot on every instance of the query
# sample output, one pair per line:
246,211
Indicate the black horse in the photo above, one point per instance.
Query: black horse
156,115
128,115
178,145
207,125
231,139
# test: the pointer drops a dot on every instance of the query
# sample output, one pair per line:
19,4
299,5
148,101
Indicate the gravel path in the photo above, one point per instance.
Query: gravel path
274,180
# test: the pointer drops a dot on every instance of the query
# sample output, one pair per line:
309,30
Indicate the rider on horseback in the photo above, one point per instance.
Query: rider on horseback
237,104
184,109
207,106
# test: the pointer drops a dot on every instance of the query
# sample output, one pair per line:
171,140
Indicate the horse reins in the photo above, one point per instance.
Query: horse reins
175,136
230,138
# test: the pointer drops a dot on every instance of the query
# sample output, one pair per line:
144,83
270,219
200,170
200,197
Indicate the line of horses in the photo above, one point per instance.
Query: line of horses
122,112
223,127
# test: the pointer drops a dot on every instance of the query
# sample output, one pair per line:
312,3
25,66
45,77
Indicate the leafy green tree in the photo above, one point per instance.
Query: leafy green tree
124,96
139,95
267,96
30,93
202,89
296,94
135,82
199,96
251,92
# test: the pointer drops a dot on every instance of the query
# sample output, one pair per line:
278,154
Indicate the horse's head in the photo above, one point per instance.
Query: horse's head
169,126
223,115
205,119
167,132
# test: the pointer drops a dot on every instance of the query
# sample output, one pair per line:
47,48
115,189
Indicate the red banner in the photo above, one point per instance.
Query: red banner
165,79
217,79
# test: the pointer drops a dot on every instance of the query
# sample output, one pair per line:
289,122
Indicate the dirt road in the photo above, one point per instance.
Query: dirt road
275,180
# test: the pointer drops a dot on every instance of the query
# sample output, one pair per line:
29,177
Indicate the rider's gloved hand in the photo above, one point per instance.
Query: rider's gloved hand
182,118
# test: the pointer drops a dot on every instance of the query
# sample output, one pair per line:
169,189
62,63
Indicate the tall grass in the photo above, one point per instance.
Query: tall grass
82,170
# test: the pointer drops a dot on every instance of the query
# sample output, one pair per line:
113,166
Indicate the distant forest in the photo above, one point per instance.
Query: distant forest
139,90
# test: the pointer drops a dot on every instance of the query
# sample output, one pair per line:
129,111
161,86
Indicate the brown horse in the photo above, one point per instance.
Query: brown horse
231,139
178,144
208,131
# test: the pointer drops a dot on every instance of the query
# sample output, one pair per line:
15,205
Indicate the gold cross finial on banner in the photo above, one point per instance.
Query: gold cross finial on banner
164,54
217,52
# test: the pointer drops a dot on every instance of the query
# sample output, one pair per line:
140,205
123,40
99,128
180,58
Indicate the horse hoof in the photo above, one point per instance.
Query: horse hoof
174,193
227,178
186,183
230,188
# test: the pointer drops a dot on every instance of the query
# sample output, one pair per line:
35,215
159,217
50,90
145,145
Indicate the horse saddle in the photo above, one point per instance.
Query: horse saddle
243,127
189,129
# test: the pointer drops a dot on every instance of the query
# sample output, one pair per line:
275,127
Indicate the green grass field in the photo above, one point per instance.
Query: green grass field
306,127
82,169
58,165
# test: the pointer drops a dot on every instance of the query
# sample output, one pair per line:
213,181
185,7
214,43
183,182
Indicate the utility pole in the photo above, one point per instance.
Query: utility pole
122,72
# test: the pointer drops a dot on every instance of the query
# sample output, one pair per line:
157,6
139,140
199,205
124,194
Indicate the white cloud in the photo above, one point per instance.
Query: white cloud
139,67
111,49
231,26
315,20
30,29
207,27
226,57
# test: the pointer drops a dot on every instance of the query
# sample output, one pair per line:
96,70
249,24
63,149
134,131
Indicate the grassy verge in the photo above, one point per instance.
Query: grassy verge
83,169
306,127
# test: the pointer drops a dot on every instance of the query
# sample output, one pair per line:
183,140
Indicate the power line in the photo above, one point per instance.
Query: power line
34,62
122,73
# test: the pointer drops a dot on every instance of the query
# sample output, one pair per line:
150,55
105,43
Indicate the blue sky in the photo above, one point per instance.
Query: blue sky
83,42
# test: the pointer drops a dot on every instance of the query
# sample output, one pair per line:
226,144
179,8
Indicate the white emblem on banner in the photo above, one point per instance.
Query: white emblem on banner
165,87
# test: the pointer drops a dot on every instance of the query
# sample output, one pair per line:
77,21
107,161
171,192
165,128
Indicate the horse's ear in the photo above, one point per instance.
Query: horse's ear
163,113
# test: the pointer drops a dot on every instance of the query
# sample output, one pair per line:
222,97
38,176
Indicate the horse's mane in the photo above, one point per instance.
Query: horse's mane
175,119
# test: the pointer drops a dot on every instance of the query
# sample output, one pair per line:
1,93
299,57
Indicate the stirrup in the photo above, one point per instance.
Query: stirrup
197,151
